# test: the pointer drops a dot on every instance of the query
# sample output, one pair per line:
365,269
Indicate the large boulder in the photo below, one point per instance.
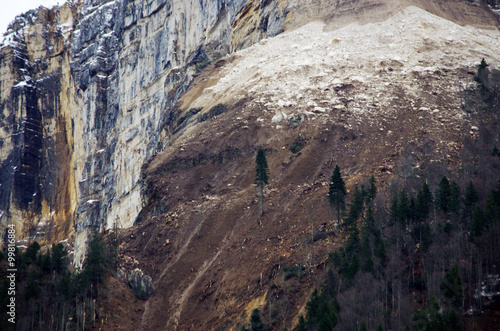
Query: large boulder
140,283
490,79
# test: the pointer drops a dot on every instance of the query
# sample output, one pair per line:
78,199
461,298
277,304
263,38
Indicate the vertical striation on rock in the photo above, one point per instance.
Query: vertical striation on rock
36,185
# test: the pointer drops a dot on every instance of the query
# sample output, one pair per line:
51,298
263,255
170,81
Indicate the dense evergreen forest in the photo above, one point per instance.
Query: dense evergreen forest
51,297
424,260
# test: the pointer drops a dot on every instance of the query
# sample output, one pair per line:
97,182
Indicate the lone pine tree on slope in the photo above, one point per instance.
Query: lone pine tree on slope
261,177
337,191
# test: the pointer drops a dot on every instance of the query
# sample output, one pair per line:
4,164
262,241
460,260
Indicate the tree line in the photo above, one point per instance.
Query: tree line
425,254
52,297
422,259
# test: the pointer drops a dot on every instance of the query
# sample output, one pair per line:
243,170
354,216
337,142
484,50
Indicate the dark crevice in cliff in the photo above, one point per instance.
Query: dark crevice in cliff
7,178
26,182
26,191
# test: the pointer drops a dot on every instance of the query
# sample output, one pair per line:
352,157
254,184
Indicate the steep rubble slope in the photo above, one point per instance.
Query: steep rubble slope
391,98
304,70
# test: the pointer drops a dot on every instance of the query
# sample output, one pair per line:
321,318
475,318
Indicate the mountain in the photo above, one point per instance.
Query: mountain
88,89
146,116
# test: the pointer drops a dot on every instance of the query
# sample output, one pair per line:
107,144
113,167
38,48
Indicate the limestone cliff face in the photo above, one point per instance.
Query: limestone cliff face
37,189
88,92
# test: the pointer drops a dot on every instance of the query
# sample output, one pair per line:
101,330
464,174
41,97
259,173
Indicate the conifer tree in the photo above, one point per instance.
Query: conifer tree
424,203
95,265
451,287
493,205
66,285
58,257
380,248
369,221
337,192
357,201
256,321
366,254
443,195
427,194
353,239
352,268
471,198
322,312
429,317
403,208
454,200
478,222
261,177
355,208
301,326
32,251
372,190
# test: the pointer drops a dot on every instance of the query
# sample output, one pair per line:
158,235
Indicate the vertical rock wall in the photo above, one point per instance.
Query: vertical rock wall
37,192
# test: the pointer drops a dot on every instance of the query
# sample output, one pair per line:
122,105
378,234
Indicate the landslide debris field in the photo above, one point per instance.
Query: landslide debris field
394,99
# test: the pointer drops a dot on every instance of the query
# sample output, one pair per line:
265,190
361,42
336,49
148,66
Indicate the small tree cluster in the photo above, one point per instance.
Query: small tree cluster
322,309
378,251
50,295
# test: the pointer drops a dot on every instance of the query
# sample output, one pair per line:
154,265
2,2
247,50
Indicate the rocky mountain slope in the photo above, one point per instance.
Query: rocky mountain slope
388,98
149,113
87,91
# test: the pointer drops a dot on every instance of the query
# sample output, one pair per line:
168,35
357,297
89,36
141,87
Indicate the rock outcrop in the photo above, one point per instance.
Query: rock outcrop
37,104
140,283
